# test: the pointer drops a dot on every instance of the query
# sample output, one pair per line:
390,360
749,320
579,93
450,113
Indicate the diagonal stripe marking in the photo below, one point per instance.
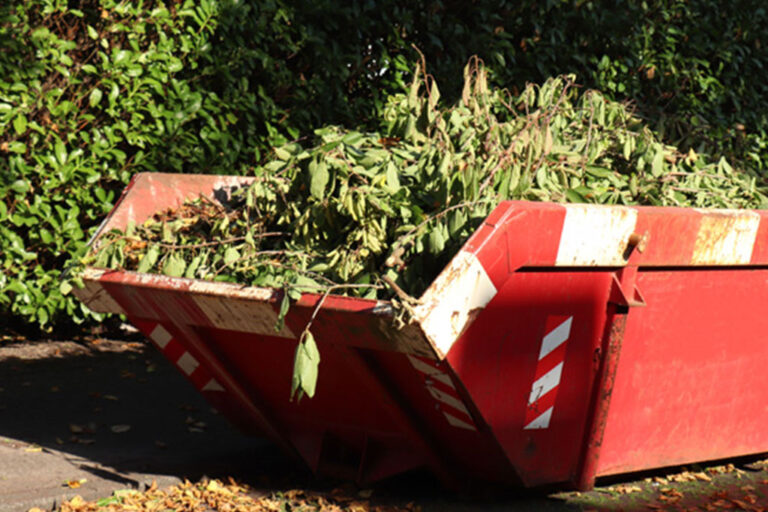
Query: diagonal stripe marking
212,385
447,399
542,421
187,363
430,371
546,383
456,422
160,336
555,338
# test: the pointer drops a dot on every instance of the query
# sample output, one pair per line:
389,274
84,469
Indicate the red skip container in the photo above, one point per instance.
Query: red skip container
561,344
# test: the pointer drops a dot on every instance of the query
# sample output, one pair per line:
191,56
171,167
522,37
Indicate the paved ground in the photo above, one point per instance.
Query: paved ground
113,414
90,418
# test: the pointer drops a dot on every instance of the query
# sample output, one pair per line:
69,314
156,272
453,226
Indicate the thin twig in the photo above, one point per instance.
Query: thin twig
436,216
399,291
328,292
217,242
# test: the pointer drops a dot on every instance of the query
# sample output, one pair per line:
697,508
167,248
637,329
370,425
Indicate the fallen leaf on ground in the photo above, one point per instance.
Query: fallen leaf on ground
359,506
74,484
119,429
626,489
33,449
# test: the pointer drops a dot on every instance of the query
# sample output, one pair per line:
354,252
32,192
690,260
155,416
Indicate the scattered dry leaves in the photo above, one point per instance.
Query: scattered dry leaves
230,497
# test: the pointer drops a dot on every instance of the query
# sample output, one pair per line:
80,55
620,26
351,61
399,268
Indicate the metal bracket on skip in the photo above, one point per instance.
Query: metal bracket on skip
624,290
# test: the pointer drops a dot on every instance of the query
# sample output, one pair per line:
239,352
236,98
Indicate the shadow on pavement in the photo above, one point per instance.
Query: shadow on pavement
90,418
115,414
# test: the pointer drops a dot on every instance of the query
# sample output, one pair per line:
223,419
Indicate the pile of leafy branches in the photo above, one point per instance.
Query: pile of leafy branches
372,213
399,203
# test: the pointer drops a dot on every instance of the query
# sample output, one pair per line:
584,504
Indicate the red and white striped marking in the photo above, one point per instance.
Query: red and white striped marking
186,362
448,305
549,370
440,386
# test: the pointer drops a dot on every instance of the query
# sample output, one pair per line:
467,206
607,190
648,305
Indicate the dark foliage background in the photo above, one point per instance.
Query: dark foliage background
93,91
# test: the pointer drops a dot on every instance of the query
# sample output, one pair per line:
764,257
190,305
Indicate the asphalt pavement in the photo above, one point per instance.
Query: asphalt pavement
89,418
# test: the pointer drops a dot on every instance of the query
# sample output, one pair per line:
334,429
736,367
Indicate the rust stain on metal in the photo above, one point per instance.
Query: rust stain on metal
594,235
238,314
725,237
96,297
605,378
448,304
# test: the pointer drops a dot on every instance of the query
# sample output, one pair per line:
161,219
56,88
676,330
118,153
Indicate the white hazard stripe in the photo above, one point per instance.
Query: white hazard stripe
449,401
447,306
430,371
594,235
456,422
547,384
160,336
725,237
187,363
555,338
541,421
213,385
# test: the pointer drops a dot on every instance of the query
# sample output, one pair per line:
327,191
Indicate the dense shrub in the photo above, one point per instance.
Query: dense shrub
92,91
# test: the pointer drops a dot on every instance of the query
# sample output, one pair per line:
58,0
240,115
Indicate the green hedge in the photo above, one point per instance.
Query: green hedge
96,90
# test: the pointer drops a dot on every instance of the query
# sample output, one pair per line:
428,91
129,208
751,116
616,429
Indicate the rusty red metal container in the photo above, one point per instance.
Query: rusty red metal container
561,344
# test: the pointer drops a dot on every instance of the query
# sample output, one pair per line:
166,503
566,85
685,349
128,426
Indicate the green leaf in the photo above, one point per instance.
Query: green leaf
114,92
285,305
20,124
20,186
231,255
436,241
657,165
574,196
95,97
393,181
282,154
42,316
92,32
190,273
174,265
305,367
17,147
65,287
318,175
61,151
149,259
